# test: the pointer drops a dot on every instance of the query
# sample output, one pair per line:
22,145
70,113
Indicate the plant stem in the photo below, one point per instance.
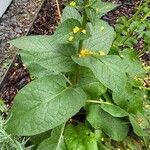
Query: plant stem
98,102
67,80
84,22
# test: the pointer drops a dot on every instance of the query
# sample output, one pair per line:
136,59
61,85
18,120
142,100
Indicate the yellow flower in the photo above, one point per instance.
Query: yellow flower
121,56
102,28
147,106
85,52
83,31
101,53
97,10
76,29
70,38
136,78
73,3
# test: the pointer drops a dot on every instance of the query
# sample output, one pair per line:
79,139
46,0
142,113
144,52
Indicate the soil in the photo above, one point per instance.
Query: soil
45,23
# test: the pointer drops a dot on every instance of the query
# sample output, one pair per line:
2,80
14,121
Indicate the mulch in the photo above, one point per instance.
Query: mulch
46,23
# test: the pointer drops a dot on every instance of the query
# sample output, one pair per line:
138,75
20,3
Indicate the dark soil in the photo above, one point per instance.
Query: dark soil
45,23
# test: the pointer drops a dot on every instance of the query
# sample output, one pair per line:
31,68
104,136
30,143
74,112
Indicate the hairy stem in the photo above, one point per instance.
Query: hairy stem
84,22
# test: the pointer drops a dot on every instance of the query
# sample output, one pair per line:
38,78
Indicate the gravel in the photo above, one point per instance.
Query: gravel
15,23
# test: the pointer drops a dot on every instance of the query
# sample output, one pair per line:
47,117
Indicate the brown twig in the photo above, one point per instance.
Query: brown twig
58,9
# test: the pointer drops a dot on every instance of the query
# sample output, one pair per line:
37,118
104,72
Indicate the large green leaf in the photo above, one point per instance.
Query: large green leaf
106,69
70,12
38,71
133,67
115,128
44,104
56,59
109,71
42,55
80,138
90,84
102,36
55,142
39,43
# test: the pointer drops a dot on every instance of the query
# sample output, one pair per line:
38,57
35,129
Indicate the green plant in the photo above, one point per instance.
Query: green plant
130,31
74,69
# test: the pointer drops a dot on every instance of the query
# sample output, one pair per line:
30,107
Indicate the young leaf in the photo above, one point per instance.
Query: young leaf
80,137
140,124
101,146
70,31
55,142
38,138
102,36
129,99
115,128
44,104
102,8
90,84
114,110
70,12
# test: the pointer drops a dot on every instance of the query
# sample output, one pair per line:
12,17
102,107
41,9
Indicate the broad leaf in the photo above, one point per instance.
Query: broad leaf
80,137
106,69
90,84
44,104
39,43
55,142
115,128
114,110
70,12
53,59
102,36
37,71
133,67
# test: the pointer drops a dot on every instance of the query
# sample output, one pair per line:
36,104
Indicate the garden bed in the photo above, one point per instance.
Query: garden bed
45,23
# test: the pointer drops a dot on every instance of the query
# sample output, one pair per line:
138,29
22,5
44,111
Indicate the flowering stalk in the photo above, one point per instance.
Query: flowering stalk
84,22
